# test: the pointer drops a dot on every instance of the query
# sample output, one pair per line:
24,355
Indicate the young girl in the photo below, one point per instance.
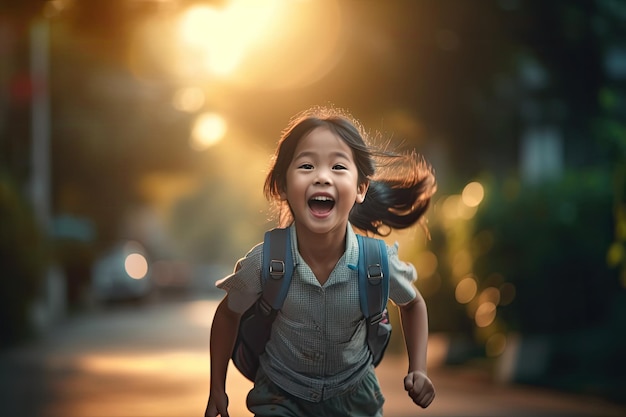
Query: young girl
317,362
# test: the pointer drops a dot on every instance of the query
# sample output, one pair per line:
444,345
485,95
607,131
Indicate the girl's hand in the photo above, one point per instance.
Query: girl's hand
217,406
420,388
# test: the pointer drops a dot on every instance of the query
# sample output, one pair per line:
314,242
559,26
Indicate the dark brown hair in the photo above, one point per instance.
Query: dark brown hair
400,184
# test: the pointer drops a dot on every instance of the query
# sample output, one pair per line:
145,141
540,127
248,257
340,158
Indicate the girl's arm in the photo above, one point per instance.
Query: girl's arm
223,335
414,317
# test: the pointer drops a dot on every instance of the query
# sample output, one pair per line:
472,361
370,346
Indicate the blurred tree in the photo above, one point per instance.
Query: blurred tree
102,113
533,79
23,258
550,242
108,128
609,126
555,239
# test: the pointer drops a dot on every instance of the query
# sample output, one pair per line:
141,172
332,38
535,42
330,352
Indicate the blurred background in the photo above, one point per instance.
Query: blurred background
135,136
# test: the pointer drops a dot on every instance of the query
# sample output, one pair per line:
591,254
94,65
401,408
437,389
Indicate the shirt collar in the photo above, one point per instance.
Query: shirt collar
350,257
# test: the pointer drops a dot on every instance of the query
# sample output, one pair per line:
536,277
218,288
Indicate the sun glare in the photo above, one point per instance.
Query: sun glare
266,44
225,34
269,44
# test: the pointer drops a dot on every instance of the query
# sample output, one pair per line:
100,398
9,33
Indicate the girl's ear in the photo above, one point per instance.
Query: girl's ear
361,191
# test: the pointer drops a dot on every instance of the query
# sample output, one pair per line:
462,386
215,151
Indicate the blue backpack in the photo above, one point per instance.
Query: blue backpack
256,323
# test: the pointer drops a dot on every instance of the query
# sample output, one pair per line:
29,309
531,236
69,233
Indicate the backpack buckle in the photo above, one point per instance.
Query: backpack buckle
374,271
277,269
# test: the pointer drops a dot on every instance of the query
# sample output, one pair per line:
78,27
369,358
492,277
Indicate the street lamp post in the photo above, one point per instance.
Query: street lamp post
52,303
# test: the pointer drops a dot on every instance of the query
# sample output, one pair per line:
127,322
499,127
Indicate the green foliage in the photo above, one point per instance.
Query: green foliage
609,128
551,242
22,261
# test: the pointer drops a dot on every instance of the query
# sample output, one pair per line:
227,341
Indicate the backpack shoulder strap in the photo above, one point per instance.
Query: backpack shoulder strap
373,270
277,268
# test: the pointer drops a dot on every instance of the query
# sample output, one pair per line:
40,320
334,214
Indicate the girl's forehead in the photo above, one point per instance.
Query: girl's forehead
322,140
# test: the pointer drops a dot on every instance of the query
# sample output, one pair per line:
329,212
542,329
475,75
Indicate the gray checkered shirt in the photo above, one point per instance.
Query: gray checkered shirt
318,345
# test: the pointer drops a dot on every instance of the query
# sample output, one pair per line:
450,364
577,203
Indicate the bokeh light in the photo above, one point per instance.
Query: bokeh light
473,194
466,290
490,294
208,130
450,206
454,207
136,266
485,314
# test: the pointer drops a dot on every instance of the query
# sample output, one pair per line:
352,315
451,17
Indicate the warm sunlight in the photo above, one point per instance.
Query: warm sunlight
268,44
225,34
188,99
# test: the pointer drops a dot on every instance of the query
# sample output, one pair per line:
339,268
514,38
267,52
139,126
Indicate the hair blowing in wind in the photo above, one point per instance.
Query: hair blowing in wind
400,184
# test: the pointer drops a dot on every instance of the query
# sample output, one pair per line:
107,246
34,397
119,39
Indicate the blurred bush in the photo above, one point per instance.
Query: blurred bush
551,242
23,258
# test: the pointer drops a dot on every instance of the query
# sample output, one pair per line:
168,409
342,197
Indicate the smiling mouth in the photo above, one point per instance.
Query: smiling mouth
321,204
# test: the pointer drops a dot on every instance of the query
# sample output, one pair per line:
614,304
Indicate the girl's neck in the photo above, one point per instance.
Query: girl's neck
321,251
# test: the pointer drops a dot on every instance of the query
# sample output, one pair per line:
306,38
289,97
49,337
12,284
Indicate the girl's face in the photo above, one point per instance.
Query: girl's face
321,184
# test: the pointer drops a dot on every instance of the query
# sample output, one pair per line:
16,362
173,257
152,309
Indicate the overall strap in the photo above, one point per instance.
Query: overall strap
373,277
277,268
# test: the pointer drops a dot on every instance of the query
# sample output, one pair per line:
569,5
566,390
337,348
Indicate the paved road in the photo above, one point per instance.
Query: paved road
152,361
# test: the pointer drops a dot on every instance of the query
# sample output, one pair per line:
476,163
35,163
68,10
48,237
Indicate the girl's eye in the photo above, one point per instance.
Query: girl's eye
339,166
305,166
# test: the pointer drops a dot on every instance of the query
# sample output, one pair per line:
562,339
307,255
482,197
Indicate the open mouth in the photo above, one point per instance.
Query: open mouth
321,204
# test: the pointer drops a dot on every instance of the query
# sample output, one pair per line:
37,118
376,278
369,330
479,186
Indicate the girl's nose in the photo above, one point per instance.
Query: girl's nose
322,177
